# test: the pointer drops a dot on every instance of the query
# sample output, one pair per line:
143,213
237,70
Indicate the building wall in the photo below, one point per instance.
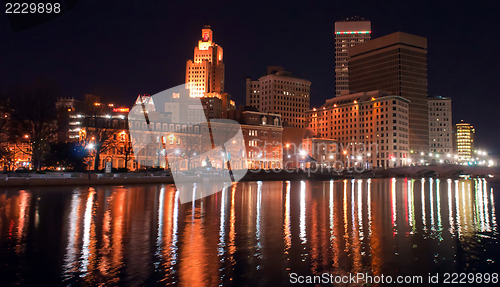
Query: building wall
396,63
347,34
440,125
282,94
372,125
262,135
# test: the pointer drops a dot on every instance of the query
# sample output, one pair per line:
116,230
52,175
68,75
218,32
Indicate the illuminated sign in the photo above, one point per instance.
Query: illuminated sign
353,32
121,110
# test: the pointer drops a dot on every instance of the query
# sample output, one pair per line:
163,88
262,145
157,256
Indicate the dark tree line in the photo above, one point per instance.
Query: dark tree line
28,118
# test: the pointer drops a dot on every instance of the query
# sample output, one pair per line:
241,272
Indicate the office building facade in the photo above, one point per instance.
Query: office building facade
370,127
348,33
440,125
280,93
396,63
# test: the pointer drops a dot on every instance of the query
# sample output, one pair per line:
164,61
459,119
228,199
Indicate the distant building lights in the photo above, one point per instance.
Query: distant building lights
121,110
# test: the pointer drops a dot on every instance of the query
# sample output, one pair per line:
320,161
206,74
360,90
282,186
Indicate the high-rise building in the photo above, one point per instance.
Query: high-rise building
440,125
464,140
348,33
396,63
205,75
370,127
205,72
280,93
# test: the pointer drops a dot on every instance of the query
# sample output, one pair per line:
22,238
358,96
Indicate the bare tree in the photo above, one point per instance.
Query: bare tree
98,134
34,119
124,147
190,143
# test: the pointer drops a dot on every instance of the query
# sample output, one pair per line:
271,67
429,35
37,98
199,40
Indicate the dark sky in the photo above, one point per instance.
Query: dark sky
124,48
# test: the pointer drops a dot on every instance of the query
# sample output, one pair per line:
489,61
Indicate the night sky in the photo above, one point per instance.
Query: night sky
118,50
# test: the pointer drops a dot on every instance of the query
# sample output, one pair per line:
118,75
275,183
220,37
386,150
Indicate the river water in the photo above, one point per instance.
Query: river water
252,234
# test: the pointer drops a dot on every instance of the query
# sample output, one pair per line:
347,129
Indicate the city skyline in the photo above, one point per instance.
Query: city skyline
447,77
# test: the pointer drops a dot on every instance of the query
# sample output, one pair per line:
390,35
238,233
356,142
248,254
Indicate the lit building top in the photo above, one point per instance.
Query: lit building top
347,34
205,72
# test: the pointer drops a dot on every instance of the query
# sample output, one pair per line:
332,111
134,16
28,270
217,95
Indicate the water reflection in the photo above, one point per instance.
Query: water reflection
252,233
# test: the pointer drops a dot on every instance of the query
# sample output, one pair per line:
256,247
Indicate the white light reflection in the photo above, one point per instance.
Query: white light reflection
193,207
422,192
478,192
450,208
175,218
70,257
438,204
287,223
222,223
302,233
393,206
464,207
431,203
369,205
258,219
159,235
485,202
493,212
457,208
87,222
411,205
360,209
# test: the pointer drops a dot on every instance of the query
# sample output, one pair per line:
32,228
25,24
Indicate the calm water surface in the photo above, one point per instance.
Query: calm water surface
255,233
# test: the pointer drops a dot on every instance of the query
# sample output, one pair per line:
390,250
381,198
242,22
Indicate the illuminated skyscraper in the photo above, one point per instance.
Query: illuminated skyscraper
205,75
464,140
348,33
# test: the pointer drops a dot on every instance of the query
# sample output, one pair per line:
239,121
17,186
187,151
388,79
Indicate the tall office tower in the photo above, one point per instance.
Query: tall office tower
205,73
205,76
348,33
280,93
464,140
440,125
396,63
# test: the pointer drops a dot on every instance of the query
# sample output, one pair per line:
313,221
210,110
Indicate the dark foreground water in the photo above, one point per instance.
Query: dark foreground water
255,233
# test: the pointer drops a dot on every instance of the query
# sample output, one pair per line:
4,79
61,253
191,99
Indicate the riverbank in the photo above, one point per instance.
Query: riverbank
85,179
